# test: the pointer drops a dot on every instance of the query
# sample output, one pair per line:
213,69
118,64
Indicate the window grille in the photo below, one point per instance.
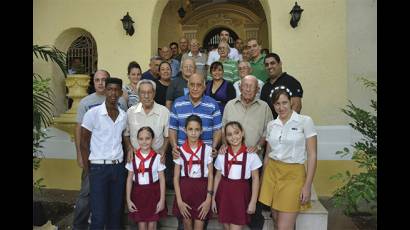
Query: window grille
83,48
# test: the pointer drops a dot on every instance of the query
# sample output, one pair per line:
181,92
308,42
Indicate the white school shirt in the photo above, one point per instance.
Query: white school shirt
196,168
157,166
106,135
252,162
288,142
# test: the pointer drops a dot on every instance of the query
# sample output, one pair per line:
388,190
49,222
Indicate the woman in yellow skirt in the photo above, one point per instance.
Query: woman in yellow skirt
285,185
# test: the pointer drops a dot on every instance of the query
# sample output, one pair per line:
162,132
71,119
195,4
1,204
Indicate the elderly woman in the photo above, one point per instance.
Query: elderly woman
130,91
230,66
286,186
218,88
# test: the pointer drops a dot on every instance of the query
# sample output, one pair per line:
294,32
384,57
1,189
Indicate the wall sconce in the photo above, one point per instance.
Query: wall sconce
127,24
181,11
296,13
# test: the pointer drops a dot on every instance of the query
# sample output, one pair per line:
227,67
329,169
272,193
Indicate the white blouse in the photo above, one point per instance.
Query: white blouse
196,168
252,162
157,166
288,142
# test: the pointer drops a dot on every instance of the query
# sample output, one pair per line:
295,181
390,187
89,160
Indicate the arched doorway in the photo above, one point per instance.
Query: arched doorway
245,19
84,50
211,40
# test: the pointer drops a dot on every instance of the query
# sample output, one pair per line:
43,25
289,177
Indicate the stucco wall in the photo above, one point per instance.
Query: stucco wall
362,49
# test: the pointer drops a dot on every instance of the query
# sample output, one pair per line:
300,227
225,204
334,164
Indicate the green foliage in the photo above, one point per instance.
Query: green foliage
43,103
362,187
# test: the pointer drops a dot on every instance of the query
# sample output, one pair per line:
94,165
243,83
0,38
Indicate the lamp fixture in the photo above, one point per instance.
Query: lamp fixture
127,24
296,13
181,11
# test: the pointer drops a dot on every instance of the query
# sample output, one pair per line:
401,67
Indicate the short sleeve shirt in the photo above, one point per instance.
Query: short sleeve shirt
252,163
196,168
157,119
258,68
214,56
106,135
93,100
143,178
288,142
207,110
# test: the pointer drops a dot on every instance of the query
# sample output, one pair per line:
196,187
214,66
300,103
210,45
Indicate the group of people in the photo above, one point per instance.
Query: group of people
230,145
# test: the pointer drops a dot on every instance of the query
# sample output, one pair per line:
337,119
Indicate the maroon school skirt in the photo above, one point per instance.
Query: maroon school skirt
232,199
146,198
193,192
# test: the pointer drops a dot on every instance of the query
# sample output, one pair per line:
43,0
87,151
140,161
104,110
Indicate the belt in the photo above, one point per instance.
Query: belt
105,162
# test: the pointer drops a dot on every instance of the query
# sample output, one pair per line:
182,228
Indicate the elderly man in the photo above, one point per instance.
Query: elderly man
147,113
254,115
153,72
244,69
199,104
200,58
256,60
273,65
178,86
183,47
233,52
230,66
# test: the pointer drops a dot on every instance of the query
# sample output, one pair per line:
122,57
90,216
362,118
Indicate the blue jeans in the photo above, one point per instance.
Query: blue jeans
107,186
82,205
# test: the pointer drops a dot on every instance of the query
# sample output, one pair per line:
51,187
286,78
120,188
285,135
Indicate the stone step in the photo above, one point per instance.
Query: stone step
315,218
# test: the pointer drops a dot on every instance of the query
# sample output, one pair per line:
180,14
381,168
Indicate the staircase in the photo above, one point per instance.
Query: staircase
314,218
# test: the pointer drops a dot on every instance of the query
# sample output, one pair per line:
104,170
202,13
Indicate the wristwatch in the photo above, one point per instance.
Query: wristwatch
211,193
259,147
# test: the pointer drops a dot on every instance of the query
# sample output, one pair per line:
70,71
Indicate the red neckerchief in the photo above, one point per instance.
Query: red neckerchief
188,149
141,167
230,152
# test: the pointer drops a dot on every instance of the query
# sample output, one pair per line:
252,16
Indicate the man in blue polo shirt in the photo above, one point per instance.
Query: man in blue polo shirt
199,104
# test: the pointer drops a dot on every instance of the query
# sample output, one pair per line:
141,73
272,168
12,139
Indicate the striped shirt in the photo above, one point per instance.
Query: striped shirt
207,110
230,71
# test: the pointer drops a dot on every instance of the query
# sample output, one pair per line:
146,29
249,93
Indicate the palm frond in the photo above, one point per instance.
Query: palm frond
52,53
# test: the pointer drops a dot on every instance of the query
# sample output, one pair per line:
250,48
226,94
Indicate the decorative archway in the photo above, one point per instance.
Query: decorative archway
63,42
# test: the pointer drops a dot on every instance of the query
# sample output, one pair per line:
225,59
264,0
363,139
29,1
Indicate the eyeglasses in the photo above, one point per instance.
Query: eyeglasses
221,48
188,67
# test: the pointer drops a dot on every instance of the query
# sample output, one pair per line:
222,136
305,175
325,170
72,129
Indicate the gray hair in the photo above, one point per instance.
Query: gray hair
146,81
246,63
250,77
156,58
199,74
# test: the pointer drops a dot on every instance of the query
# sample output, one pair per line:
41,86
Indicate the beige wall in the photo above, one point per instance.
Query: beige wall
362,49
315,52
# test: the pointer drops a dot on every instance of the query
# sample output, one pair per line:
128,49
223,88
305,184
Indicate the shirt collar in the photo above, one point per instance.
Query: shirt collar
191,55
140,109
294,117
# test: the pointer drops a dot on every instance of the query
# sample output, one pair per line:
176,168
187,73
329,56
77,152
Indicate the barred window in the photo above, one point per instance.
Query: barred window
82,56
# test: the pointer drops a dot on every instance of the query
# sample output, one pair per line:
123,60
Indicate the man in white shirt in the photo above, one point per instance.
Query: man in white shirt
233,53
102,154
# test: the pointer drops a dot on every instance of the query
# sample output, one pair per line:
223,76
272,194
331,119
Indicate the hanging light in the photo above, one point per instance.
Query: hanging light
127,24
296,13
